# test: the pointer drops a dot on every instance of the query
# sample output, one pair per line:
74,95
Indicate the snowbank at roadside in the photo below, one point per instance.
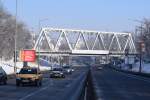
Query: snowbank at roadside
136,66
8,66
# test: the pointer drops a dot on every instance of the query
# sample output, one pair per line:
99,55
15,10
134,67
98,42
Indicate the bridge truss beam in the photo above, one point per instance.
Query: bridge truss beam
61,40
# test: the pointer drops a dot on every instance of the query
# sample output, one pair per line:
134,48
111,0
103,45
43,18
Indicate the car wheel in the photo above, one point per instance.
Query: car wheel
63,76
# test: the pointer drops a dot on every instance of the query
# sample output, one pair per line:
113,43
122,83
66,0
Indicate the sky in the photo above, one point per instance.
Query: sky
101,15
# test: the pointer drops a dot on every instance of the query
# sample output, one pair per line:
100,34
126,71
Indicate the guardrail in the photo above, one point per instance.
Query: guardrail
96,91
77,88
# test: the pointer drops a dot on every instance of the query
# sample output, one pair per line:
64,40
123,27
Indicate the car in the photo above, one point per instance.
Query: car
99,67
72,69
30,75
3,76
57,73
67,69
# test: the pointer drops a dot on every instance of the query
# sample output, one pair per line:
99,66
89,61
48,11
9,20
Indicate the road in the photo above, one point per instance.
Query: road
52,89
113,85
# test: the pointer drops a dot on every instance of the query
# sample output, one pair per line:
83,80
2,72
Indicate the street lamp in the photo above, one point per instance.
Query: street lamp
1,4
39,25
15,39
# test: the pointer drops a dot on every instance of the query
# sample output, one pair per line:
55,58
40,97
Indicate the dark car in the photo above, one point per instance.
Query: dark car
3,76
29,75
57,73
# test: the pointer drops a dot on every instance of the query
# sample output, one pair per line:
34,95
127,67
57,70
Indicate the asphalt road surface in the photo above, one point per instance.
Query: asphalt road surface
114,85
52,89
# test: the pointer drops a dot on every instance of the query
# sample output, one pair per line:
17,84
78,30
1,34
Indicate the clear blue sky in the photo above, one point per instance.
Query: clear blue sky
103,15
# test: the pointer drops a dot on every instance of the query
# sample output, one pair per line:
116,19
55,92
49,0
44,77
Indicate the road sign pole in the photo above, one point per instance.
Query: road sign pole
15,39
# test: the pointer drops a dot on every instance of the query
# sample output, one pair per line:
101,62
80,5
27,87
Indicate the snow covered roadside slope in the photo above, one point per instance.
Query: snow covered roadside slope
8,66
145,67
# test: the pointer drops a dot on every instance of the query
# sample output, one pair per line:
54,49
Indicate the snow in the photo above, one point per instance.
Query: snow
145,67
8,66
135,67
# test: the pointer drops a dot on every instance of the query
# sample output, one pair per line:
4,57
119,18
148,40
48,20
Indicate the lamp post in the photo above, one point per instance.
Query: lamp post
15,38
39,25
1,4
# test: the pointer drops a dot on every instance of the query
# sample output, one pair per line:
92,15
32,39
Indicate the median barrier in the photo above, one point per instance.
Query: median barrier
77,89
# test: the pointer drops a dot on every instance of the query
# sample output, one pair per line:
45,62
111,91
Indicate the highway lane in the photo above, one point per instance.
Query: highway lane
52,89
113,85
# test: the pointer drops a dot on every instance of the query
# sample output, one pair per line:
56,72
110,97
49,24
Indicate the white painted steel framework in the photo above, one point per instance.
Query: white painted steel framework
83,42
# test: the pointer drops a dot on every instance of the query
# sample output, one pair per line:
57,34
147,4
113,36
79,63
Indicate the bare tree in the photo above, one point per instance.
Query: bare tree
143,34
7,32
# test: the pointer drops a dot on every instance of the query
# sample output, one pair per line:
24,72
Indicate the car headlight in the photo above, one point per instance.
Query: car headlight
68,70
61,73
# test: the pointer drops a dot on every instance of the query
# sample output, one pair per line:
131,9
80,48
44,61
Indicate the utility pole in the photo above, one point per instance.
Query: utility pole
15,38
141,44
142,50
1,5
140,68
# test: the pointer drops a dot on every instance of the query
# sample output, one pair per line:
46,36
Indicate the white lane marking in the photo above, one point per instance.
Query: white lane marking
135,77
73,80
85,94
51,83
37,91
33,93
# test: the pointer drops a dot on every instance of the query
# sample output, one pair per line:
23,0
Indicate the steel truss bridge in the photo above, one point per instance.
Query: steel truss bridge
83,42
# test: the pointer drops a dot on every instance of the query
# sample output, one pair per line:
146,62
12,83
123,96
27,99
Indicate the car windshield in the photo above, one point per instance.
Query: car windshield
28,71
57,69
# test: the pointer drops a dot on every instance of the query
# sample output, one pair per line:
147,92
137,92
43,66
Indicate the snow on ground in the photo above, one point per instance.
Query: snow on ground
8,66
135,67
145,67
